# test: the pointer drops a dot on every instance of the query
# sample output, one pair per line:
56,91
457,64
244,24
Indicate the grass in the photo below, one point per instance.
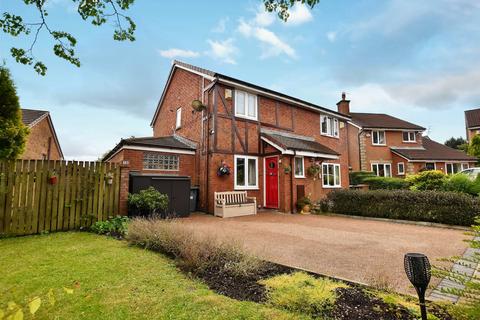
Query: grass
95,277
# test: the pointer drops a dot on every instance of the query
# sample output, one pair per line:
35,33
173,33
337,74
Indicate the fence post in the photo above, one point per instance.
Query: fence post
124,185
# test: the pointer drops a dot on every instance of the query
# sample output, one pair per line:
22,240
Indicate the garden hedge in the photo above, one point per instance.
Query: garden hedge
431,206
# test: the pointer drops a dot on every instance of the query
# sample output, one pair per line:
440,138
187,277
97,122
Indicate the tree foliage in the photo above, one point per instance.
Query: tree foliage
456,143
281,7
474,146
13,132
98,12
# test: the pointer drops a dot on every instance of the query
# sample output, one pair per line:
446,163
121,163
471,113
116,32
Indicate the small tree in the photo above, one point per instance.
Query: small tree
13,132
427,180
456,143
474,146
147,202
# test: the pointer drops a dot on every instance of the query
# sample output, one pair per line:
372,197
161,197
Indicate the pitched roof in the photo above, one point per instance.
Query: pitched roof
31,117
298,144
382,121
433,150
472,118
170,142
227,79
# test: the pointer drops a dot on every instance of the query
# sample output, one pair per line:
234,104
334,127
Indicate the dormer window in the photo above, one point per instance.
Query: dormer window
328,126
409,136
246,105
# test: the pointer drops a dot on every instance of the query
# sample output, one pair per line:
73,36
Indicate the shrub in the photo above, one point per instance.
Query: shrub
461,183
302,293
115,227
302,202
193,253
147,202
431,206
427,180
358,177
387,183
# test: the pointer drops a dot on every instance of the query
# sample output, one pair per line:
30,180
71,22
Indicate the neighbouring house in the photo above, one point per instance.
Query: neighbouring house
42,141
228,134
472,123
392,147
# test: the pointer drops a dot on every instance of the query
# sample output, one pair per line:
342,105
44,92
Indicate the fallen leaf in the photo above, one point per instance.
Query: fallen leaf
34,305
67,290
51,297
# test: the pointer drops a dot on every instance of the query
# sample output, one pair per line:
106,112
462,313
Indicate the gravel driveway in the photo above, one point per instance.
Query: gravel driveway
360,250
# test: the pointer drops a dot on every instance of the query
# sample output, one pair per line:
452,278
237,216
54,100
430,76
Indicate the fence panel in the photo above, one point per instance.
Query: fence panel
39,196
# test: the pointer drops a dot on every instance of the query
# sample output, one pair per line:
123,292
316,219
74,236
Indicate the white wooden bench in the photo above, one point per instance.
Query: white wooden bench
234,204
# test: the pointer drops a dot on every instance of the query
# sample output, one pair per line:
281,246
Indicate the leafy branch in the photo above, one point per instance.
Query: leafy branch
281,7
98,12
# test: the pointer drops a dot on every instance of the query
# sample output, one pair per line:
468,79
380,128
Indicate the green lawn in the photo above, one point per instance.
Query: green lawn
109,280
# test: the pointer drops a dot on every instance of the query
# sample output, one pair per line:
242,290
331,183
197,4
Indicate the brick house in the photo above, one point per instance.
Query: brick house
393,147
266,139
472,123
42,142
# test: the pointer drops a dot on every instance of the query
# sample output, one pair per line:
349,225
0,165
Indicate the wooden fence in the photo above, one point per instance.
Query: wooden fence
38,196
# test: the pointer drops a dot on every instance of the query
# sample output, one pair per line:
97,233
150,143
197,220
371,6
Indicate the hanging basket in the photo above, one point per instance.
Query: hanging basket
223,170
198,106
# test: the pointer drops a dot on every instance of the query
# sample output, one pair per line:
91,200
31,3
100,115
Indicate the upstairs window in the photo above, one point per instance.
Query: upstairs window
246,105
409,136
330,175
157,161
378,138
329,126
178,120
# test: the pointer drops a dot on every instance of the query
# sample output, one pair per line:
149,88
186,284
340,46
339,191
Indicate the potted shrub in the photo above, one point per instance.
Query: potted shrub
304,205
52,178
314,170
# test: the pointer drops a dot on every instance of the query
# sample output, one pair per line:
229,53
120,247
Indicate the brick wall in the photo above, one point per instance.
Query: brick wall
36,147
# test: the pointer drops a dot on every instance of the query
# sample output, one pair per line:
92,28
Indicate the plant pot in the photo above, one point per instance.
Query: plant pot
306,209
52,180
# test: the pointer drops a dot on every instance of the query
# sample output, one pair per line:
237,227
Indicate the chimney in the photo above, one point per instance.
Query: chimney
344,105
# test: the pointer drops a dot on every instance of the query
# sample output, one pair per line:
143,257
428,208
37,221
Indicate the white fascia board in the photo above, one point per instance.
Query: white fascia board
290,101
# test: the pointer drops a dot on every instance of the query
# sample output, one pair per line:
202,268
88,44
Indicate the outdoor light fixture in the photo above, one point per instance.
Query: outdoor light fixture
417,268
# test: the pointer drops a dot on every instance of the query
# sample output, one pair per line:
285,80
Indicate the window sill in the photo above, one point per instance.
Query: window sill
329,136
246,117
300,177
409,141
245,188
379,145
331,187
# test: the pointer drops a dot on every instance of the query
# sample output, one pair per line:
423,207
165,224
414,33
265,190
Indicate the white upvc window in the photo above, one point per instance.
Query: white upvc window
465,166
378,138
329,126
401,168
246,105
382,169
331,175
452,168
409,136
299,167
178,120
430,166
246,172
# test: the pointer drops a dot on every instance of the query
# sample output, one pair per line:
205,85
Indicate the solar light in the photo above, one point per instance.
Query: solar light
417,268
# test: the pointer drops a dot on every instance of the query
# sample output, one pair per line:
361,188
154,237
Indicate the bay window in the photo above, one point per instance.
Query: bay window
331,175
382,169
246,172
245,105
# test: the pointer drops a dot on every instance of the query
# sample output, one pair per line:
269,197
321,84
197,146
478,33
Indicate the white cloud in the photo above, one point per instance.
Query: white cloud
272,45
180,53
299,14
223,50
331,36
264,18
221,26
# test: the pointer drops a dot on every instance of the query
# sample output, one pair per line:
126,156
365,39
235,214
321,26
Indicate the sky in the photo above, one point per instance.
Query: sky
417,60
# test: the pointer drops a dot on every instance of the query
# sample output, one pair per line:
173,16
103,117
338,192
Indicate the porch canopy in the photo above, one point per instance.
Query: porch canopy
291,144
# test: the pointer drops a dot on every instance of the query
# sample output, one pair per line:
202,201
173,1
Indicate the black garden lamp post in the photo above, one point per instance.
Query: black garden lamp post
417,268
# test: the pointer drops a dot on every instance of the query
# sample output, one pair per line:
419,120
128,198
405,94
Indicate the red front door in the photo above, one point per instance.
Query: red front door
271,182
